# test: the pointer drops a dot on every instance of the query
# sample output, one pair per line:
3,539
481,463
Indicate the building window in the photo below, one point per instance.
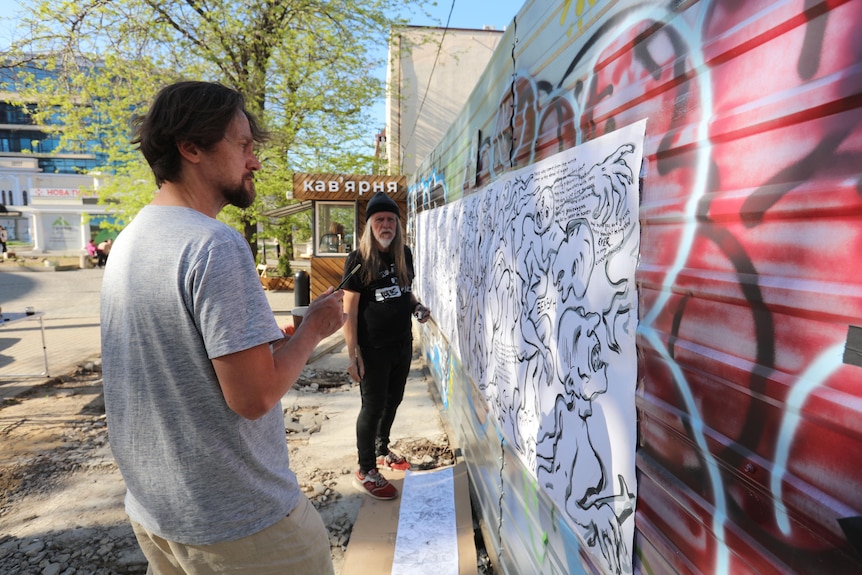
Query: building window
334,228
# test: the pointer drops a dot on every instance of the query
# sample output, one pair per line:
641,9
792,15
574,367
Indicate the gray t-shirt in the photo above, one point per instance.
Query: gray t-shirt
179,289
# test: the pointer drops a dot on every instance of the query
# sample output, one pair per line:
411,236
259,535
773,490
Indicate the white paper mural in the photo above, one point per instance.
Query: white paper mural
427,538
532,282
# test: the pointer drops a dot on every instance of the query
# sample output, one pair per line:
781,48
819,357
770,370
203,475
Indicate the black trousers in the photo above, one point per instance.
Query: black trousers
382,390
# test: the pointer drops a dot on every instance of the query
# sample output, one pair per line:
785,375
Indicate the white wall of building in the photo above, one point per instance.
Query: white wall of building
431,74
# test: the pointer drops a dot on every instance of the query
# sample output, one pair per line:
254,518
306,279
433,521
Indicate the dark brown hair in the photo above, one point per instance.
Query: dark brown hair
196,112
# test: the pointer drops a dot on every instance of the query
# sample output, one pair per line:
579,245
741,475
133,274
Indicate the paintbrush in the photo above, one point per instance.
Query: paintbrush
348,276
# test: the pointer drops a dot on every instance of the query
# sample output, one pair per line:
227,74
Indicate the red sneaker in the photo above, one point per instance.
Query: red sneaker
375,485
393,461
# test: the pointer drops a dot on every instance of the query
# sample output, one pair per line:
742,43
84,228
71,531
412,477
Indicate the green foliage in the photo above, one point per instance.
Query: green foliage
283,267
306,68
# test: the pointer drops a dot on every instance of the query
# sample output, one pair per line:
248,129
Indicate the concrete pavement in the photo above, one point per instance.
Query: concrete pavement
69,301
70,304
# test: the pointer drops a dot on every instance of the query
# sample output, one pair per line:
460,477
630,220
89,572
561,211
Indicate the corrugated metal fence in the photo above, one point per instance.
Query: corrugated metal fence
749,396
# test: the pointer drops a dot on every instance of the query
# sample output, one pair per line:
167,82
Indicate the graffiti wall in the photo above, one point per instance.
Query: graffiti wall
749,304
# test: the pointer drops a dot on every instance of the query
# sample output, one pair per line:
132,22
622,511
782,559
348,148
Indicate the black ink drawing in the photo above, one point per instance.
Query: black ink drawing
543,317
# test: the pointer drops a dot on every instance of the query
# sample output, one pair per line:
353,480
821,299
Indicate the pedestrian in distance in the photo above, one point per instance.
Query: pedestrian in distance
92,253
378,334
194,363
103,250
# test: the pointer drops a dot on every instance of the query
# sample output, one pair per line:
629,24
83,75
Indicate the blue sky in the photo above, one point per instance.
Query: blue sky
470,13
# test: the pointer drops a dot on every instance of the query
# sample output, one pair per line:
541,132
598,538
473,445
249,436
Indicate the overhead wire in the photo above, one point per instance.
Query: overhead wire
430,76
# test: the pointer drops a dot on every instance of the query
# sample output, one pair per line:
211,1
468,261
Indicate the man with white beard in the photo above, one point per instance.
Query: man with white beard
379,300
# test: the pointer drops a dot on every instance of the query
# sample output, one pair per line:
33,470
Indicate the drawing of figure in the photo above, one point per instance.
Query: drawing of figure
609,181
471,341
594,243
569,466
540,238
503,299
522,317
574,261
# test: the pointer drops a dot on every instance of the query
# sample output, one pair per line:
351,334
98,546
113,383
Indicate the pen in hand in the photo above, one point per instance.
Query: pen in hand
348,276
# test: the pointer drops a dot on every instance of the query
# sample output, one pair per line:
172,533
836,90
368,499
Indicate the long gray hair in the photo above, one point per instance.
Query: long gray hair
372,263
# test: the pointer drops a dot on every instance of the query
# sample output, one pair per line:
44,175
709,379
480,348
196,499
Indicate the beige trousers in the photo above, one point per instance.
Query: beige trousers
296,545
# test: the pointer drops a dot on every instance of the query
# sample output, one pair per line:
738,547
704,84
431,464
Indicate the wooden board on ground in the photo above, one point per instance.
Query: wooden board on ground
372,541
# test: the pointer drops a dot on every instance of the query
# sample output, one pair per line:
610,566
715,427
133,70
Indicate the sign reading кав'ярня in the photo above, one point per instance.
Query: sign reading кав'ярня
347,186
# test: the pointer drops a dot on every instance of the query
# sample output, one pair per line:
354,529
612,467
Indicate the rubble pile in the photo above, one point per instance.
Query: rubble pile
84,551
68,414
81,448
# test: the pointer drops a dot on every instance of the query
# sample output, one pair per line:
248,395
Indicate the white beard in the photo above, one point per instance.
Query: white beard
384,243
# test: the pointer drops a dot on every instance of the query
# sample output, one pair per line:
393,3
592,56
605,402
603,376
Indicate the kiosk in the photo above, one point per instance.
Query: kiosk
338,204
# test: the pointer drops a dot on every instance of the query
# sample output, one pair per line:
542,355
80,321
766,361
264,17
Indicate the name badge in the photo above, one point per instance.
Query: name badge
383,294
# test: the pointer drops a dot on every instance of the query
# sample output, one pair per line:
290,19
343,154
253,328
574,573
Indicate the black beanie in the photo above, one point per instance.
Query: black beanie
380,202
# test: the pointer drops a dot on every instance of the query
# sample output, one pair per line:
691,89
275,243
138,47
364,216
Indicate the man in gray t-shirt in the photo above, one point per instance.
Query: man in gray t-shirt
194,363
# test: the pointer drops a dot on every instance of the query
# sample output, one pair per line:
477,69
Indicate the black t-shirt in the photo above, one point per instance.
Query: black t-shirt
384,306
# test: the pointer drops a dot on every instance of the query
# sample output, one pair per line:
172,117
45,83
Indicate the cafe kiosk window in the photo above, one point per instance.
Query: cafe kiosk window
334,228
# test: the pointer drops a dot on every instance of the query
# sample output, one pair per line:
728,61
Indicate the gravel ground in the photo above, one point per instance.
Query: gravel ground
61,493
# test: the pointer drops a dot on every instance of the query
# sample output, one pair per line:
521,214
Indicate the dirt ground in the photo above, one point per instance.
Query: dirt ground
61,495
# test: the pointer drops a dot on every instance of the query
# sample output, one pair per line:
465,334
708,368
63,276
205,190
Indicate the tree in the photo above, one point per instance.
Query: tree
305,66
